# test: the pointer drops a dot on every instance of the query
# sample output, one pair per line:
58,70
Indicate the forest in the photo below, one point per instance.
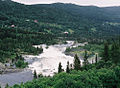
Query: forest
104,73
22,26
15,42
83,22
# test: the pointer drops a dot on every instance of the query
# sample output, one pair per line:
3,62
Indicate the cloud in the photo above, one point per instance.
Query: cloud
79,2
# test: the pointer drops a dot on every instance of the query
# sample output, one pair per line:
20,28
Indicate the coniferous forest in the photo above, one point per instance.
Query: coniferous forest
102,74
22,26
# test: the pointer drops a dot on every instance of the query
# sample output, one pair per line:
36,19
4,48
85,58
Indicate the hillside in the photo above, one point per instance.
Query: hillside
57,18
75,46
114,11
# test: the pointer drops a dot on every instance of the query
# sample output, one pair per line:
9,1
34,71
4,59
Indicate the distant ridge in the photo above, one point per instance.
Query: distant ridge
60,17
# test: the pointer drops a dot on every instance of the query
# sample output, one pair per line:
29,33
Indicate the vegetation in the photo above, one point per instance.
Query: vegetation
14,42
106,52
92,50
103,74
77,63
83,23
95,48
96,58
21,64
99,78
68,68
22,26
60,68
85,59
35,74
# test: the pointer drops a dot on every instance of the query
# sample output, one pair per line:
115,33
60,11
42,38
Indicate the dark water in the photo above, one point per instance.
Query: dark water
16,78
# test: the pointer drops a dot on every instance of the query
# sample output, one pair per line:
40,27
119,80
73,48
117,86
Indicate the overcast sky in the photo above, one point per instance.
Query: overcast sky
101,3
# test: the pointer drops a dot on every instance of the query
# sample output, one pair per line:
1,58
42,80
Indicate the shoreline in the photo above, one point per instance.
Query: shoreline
9,71
16,76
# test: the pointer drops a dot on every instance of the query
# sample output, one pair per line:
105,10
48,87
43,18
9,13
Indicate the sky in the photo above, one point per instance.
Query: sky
100,3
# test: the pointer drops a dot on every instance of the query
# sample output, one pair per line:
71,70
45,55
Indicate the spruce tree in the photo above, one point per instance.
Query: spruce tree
59,68
77,63
71,66
96,58
115,54
106,52
35,74
86,58
68,69
92,61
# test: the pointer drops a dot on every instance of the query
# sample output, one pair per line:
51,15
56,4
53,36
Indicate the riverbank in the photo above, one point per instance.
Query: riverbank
45,63
92,51
8,71
75,49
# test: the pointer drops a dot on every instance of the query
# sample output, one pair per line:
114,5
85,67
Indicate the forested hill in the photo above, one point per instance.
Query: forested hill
59,17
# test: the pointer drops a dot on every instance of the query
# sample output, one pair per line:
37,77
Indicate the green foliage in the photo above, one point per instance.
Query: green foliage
59,68
108,78
85,58
98,75
96,58
95,78
115,53
68,49
35,74
21,64
68,69
14,41
96,48
106,52
23,26
92,49
77,63
117,72
82,22
112,53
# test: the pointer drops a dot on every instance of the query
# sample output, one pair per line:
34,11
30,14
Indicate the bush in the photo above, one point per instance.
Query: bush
21,64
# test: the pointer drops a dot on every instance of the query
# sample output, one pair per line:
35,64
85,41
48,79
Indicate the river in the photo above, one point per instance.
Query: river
45,64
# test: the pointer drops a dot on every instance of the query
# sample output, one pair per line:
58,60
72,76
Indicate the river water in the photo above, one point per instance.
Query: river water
45,64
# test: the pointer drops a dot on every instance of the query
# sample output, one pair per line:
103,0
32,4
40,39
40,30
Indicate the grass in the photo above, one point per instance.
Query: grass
91,50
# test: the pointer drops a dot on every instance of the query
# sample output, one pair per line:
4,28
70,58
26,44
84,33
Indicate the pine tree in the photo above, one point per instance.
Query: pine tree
77,63
86,58
68,69
59,68
96,58
115,54
106,52
92,61
35,74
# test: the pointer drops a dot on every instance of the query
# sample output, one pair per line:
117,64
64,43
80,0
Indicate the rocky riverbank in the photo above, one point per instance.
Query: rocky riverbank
45,63
6,70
